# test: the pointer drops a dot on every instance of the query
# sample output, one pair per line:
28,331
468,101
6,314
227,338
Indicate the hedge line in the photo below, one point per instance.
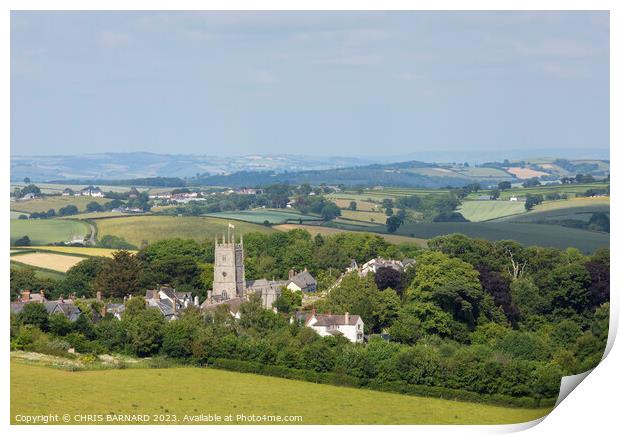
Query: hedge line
392,387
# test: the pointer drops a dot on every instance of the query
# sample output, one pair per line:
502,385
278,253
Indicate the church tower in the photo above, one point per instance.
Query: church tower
228,273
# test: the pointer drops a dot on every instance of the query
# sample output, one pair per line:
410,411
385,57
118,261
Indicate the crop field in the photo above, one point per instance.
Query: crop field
485,172
526,233
478,211
367,216
48,260
259,216
135,229
327,231
74,250
44,231
570,189
55,202
523,173
176,392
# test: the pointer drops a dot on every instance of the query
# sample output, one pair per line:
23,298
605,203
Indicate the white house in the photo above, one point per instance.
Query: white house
376,263
351,326
514,198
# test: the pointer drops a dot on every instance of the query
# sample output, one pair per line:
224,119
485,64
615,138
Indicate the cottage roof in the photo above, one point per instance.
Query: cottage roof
303,280
335,319
233,305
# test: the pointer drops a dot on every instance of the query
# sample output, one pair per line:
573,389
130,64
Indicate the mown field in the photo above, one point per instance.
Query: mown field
136,229
260,216
569,189
526,233
47,260
361,205
55,202
44,231
52,188
75,250
367,216
478,211
177,392
40,273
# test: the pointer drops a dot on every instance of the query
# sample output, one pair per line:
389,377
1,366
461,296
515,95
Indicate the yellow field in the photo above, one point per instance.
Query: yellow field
523,173
571,203
57,262
316,229
88,252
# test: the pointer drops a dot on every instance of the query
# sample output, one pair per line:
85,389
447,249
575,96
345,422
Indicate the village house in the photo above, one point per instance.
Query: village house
62,306
95,192
350,326
302,281
68,192
376,263
169,301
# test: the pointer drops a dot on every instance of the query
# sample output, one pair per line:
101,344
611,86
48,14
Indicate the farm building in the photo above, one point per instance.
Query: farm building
350,326
376,263
95,192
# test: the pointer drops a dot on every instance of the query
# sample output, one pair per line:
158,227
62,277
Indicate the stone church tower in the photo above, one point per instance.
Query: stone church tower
228,273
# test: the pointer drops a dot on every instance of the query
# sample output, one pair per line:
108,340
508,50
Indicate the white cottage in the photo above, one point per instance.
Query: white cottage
351,326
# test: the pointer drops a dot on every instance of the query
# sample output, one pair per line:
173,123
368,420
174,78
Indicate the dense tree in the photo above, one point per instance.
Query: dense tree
34,314
390,277
503,185
68,210
144,331
120,275
94,206
288,301
22,241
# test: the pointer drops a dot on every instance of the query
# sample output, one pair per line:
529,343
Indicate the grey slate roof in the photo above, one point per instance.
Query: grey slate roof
335,319
232,304
71,311
303,280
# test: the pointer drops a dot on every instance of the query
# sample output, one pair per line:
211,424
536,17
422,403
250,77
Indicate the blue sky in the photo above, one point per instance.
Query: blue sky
320,83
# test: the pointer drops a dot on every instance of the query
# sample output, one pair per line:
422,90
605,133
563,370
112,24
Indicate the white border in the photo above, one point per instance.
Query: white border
592,407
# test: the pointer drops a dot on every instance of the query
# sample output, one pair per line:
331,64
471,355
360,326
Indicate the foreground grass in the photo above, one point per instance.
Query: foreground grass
195,391
135,229
44,231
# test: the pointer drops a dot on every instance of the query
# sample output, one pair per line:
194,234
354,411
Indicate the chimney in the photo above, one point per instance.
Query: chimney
42,293
174,306
25,296
61,299
130,296
99,296
196,301
156,294
346,318
72,297
209,295
103,310
124,299
305,268
291,273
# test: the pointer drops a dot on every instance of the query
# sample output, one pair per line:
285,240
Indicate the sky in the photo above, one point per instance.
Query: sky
313,83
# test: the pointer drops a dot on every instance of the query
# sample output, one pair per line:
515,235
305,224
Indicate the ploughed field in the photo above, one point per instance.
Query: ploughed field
176,392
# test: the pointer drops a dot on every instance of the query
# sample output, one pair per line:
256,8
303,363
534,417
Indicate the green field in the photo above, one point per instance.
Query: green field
525,233
135,229
55,202
40,273
569,189
478,211
177,392
366,216
51,188
576,208
44,231
328,231
261,215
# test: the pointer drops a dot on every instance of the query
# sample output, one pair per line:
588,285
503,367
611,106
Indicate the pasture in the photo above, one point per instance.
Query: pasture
573,209
44,231
259,216
136,229
525,233
176,392
47,260
39,273
478,211
51,188
361,205
366,216
55,202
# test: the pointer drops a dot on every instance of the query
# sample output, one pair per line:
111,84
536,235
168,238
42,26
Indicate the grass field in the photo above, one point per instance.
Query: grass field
48,260
576,208
44,231
97,215
478,211
361,205
75,250
317,229
367,216
569,189
135,229
178,392
261,215
55,202
526,233
58,188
